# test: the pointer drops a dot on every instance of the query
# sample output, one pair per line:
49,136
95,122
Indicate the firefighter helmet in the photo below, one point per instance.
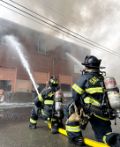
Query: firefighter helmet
53,82
92,62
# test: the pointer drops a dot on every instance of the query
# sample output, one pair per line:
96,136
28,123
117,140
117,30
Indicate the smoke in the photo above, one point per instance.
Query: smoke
14,44
73,59
96,20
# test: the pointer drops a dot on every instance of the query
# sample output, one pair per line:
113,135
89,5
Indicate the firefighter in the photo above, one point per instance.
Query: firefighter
44,104
89,94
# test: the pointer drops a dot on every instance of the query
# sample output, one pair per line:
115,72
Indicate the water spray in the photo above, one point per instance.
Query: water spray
14,43
73,59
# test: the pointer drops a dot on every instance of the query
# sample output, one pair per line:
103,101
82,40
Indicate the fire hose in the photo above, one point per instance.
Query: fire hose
87,141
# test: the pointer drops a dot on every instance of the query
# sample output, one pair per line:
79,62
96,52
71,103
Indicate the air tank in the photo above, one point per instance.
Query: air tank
58,100
113,93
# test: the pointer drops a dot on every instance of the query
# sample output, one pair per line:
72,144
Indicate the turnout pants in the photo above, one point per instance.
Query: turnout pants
100,127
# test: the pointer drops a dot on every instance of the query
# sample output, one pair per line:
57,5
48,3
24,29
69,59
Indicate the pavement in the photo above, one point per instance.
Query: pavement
14,131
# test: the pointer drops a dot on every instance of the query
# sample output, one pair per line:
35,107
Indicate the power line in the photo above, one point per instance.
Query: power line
58,11
25,16
32,16
57,27
54,11
61,26
29,18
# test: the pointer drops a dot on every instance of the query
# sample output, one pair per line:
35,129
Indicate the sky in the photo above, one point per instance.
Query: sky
96,20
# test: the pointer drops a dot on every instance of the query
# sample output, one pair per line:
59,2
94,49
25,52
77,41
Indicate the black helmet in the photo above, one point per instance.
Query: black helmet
92,62
53,82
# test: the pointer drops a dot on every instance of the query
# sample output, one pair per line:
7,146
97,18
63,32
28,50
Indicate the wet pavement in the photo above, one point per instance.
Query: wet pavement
17,134
14,131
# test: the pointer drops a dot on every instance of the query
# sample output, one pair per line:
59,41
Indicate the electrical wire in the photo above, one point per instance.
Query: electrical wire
35,17
52,10
47,6
26,16
60,25
58,11
69,33
29,18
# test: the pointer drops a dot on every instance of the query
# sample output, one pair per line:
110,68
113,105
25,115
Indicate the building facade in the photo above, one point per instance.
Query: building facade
45,54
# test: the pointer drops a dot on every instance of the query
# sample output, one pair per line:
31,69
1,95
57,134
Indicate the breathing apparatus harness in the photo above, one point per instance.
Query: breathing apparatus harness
110,106
106,109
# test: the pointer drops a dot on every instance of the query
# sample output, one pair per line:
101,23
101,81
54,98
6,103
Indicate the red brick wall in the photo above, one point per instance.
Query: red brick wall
9,74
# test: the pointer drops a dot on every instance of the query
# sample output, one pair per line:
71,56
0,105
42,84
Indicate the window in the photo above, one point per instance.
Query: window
41,48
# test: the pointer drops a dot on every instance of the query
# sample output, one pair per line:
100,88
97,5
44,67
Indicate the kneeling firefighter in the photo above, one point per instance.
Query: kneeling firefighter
45,105
90,94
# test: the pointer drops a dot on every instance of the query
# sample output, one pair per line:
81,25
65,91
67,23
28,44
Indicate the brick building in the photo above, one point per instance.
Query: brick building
46,56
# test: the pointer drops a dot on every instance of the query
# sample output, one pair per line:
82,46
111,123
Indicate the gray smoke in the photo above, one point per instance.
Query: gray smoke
96,20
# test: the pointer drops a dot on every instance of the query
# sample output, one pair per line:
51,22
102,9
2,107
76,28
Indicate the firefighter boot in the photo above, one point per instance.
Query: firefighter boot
54,128
78,141
33,123
74,133
33,118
